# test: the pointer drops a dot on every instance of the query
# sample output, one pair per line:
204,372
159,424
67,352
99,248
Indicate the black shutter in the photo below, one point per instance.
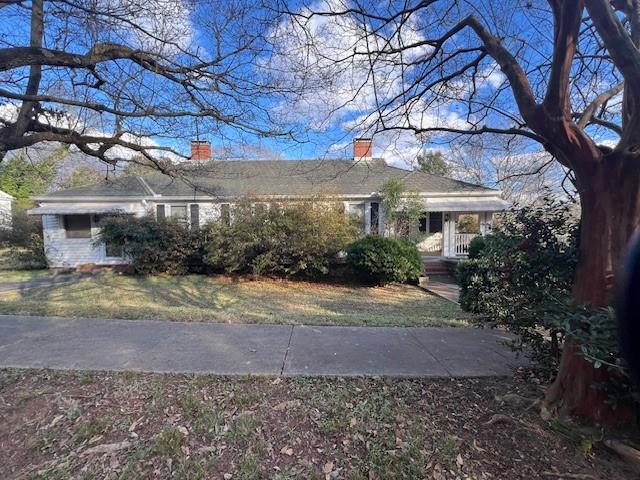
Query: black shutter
195,215
160,214
225,214
375,217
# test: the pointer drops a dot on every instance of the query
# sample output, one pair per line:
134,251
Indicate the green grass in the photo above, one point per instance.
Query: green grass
200,298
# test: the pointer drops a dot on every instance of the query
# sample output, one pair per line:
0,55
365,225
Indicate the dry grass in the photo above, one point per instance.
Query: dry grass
221,299
139,426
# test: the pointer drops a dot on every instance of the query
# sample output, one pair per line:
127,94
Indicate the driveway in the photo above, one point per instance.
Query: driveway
154,346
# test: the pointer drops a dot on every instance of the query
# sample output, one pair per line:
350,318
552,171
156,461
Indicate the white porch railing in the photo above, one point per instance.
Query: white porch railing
462,241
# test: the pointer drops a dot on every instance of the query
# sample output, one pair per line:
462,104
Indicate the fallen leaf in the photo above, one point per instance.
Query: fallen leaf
353,422
133,426
107,448
286,451
459,460
437,473
183,430
55,420
328,468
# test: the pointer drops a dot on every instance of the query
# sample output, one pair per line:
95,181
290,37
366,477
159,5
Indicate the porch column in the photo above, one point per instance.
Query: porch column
367,218
448,229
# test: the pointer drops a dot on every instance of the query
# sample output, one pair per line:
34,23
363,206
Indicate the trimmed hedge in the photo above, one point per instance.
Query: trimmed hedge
383,260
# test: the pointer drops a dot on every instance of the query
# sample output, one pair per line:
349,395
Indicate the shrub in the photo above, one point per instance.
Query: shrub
383,260
302,239
152,246
475,246
522,273
23,228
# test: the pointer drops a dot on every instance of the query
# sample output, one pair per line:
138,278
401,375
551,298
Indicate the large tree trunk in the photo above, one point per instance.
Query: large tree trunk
610,205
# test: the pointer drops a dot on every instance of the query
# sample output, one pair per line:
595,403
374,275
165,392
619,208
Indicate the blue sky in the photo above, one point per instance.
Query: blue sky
320,127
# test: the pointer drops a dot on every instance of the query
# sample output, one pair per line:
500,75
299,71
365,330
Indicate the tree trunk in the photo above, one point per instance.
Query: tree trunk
610,213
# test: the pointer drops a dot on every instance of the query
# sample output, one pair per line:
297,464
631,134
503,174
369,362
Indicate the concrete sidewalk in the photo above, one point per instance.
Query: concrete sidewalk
444,286
140,345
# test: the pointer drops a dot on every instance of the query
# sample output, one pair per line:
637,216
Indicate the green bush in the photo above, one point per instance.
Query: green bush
302,239
522,274
475,246
152,246
383,260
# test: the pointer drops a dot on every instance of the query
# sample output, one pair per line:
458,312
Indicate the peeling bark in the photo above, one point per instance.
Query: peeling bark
610,201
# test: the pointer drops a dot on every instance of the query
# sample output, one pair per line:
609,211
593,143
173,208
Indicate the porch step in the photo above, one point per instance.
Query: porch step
438,267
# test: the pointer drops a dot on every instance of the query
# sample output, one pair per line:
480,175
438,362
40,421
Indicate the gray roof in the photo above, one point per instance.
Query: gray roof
273,177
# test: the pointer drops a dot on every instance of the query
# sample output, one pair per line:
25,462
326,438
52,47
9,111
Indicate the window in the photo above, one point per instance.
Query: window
423,222
179,213
375,217
435,222
160,213
468,223
225,213
77,226
356,210
195,215
113,249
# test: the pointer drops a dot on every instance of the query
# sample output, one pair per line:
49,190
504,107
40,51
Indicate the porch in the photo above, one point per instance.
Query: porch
448,234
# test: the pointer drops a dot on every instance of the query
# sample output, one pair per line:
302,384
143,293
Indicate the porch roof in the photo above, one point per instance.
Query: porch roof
466,204
80,209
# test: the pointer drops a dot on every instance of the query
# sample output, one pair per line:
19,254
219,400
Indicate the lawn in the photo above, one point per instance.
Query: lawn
138,426
235,300
12,270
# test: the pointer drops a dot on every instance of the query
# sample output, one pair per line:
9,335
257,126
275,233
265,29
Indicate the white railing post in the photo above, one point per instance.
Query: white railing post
462,241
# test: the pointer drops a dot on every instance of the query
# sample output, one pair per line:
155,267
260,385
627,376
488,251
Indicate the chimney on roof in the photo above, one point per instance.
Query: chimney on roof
200,150
362,149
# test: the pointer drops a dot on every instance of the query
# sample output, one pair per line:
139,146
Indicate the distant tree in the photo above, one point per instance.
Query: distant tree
82,176
23,178
434,163
139,165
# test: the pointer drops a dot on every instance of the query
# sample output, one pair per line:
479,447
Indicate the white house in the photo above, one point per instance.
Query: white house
5,209
207,191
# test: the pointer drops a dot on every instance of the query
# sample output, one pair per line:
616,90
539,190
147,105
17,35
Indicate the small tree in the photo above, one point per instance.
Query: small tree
402,209
433,163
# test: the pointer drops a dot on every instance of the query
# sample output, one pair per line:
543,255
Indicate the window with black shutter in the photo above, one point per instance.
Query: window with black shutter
195,215
160,212
375,217
435,222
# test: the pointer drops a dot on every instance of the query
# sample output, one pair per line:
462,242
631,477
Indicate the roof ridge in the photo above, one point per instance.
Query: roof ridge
145,185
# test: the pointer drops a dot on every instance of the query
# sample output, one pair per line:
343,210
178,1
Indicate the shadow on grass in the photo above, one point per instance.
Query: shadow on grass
228,300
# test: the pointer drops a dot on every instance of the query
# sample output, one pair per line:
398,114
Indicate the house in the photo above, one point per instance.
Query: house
208,190
6,201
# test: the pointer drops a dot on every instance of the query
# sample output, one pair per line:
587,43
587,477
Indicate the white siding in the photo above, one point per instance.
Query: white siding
209,212
5,212
63,252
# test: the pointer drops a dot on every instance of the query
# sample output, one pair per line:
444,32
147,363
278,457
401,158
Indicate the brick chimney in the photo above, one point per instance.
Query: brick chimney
200,150
362,149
